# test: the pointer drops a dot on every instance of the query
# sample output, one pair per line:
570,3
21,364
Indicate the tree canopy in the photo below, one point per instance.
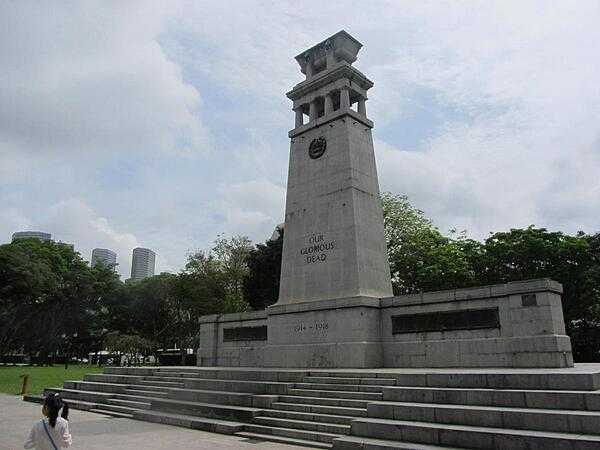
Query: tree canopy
51,301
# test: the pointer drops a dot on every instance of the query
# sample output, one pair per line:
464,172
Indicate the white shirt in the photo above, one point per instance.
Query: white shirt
38,439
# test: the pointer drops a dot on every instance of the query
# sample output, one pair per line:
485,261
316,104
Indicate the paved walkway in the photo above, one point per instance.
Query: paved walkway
99,432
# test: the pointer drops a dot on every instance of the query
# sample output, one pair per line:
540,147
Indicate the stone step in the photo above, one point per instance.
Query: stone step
130,403
564,421
74,404
177,379
320,409
307,416
140,371
246,374
214,397
165,384
350,380
33,398
282,440
471,437
135,398
547,399
254,387
116,408
350,403
187,421
323,427
467,378
148,387
145,393
82,405
336,394
294,433
339,387
94,386
107,412
359,443
548,379
88,396
111,378
220,411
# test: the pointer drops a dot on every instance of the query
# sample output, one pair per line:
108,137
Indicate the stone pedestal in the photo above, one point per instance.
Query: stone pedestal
334,333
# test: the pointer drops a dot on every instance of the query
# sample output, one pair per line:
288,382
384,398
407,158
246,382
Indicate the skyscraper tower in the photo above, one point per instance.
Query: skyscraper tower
142,263
105,256
42,236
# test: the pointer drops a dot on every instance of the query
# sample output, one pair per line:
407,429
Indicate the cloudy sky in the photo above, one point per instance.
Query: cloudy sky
163,124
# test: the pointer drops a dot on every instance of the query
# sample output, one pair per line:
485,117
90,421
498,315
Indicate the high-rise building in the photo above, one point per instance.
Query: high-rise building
32,235
105,256
142,263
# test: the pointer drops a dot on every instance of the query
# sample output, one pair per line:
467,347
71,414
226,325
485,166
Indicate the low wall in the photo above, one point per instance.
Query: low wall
233,340
516,324
509,325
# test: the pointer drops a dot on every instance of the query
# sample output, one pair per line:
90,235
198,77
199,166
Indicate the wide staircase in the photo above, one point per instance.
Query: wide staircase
367,409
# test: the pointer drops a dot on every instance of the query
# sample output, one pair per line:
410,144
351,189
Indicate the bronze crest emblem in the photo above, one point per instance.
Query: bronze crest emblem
317,147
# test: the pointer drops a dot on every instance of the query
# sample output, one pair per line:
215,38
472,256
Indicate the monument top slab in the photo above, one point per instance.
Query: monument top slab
339,47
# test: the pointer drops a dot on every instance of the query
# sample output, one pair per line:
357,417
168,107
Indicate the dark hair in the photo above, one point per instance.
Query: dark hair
53,404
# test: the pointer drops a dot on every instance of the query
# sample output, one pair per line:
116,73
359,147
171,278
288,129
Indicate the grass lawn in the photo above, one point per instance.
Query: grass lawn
41,377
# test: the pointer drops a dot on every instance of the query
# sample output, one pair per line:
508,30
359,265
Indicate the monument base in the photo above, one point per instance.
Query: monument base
332,333
517,324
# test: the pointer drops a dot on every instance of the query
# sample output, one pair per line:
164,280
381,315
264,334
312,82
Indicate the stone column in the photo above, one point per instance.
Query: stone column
299,116
362,107
309,69
330,59
328,103
344,98
312,110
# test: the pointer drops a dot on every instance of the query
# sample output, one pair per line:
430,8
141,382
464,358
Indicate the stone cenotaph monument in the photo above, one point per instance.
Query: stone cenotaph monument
336,307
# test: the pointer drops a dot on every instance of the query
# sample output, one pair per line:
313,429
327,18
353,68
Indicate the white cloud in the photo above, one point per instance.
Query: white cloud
74,222
92,78
170,121
252,208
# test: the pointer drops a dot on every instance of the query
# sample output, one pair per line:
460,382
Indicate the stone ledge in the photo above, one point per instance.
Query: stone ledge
328,118
480,292
234,317
349,302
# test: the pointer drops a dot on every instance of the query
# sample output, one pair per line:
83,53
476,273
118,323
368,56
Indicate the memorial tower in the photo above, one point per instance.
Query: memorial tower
336,308
334,244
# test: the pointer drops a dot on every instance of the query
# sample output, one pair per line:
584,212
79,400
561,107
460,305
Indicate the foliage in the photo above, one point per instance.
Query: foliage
218,275
132,346
47,292
261,285
421,258
52,302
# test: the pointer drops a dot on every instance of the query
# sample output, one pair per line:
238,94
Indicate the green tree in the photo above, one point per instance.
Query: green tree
261,285
420,257
46,292
149,304
217,277
135,348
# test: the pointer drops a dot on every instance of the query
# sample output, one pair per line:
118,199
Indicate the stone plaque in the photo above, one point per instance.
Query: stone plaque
529,300
468,319
245,334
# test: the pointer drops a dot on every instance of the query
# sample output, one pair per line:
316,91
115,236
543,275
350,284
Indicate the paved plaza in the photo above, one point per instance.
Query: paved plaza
98,432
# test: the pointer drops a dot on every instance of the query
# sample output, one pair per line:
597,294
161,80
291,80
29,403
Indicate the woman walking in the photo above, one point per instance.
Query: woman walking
51,432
